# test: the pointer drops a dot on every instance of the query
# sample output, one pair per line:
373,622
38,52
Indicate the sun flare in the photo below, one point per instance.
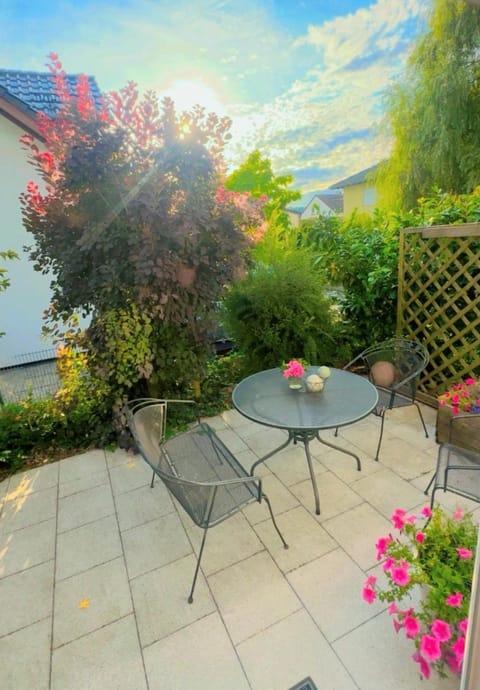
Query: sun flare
186,93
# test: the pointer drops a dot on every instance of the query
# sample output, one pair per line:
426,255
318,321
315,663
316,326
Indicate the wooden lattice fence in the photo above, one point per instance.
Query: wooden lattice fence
439,300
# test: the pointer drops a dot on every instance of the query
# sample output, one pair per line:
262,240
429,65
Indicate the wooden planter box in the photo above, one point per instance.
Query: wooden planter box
465,432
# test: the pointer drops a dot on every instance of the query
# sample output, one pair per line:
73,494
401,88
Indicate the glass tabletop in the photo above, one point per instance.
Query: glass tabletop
266,398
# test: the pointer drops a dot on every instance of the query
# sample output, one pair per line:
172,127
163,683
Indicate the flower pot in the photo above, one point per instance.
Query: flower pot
465,432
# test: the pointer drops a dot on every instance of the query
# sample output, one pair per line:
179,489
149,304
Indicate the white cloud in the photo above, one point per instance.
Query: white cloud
330,118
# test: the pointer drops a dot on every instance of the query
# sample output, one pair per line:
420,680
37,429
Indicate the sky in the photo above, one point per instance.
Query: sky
304,81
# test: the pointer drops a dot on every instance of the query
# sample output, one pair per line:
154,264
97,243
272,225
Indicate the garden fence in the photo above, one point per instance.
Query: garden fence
439,301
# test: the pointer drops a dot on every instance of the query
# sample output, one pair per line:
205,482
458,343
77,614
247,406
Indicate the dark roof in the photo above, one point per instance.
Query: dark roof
358,178
35,91
333,198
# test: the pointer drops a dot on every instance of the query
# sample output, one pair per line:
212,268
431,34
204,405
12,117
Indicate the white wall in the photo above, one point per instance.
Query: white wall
23,303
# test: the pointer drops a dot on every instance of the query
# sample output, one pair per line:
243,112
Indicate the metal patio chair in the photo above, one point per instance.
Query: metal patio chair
394,367
195,466
458,468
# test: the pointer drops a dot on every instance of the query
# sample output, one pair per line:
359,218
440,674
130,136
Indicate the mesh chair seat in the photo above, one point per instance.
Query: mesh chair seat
457,468
196,467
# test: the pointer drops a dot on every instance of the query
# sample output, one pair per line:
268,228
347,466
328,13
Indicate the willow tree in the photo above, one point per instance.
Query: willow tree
433,113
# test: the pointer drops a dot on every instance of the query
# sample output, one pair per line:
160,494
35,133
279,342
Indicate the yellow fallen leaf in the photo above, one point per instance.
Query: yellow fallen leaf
131,464
84,604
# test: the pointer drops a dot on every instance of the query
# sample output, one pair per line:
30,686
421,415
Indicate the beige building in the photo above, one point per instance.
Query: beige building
359,192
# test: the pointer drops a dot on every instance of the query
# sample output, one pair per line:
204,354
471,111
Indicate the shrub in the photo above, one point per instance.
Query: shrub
279,312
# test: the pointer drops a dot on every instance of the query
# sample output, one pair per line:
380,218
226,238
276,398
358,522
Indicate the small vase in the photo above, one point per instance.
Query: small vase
295,383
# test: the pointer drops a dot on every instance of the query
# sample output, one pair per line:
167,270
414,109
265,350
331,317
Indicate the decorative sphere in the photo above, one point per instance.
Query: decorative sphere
383,374
324,372
314,383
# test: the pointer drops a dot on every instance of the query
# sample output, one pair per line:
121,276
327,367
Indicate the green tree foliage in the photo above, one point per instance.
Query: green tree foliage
360,257
136,229
256,176
434,111
279,312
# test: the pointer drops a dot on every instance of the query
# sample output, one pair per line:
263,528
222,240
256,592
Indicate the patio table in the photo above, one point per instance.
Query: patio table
265,398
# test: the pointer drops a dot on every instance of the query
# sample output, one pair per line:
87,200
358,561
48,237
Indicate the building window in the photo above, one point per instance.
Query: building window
369,196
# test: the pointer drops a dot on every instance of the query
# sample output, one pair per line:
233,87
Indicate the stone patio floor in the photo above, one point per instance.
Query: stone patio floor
95,569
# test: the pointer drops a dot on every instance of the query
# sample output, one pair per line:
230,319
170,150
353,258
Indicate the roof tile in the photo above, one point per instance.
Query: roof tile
37,89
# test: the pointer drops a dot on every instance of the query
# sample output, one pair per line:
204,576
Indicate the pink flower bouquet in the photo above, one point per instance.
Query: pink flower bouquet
294,369
434,553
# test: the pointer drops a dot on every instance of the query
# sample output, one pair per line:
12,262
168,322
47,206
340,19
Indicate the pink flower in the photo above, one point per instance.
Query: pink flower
454,663
459,648
426,511
388,564
470,381
441,630
464,554
294,368
369,595
454,600
463,625
430,648
398,518
397,624
381,546
424,666
412,626
400,576
458,514
420,537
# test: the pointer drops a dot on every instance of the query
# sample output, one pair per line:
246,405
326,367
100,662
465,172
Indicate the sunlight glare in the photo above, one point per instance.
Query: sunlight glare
186,93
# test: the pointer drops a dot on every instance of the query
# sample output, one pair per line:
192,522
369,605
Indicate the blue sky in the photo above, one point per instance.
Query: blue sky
302,80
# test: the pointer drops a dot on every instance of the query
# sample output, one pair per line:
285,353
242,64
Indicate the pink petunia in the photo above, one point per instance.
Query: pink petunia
454,664
392,608
441,630
470,381
381,546
463,625
400,576
430,648
369,595
459,648
412,626
397,624
458,514
389,562
427,511
420,537
454,600
465,554
371,580
398,518
424,666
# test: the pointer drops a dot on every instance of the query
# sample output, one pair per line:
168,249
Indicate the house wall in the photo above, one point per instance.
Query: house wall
316,207
23,303
361,196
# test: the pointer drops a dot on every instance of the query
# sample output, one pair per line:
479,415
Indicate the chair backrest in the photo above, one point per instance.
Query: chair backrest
396,364
191,464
